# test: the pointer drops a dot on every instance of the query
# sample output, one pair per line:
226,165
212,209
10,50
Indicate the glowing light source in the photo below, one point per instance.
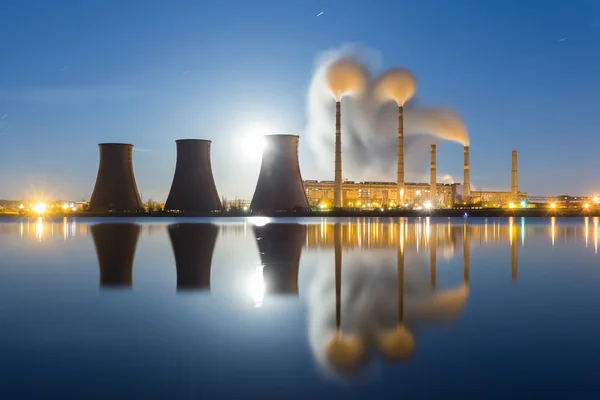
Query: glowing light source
586,205
65,206
511,205
596,199
553,205
39,208
322,206
523,204
427,205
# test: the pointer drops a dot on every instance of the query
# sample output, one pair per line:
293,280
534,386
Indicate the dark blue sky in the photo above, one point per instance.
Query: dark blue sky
73,74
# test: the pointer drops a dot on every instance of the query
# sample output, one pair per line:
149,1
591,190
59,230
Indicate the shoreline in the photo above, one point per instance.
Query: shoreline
448,213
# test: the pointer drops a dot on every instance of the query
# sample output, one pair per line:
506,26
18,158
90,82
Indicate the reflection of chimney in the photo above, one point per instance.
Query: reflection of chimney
514,181
280,246
466,253
513,250
115,247
337,190
467,178
193,246
337,248
433,255
279,186
433,177
400,175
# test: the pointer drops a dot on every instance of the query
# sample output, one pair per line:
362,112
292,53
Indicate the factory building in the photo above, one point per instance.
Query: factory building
376,194
491,199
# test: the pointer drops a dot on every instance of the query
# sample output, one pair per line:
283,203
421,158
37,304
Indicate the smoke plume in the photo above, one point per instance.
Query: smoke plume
369,123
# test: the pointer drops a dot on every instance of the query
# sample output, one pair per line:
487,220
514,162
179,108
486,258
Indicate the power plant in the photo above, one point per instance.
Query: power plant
433,177
193,188
279,186
338,201
115,188
467,178
193,247
280,247
115,248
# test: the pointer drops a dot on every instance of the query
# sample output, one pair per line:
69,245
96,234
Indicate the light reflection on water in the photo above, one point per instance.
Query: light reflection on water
332,301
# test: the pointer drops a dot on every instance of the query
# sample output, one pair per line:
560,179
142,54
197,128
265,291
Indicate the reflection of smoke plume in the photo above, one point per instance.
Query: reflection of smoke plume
370,300
369,127
346,77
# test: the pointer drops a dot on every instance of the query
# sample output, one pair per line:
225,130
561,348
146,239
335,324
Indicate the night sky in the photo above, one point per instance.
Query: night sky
523,75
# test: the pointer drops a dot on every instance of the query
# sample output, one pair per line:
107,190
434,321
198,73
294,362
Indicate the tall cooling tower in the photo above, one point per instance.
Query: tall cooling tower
115,187
279,186
433,177
280,246
193,188
514,185
115,247
193,246
467,177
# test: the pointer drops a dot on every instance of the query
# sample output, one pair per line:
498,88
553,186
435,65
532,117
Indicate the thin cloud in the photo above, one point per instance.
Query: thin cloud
562,39
321,13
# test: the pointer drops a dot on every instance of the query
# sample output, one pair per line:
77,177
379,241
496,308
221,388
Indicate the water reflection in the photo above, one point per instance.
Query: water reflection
115,247
193,246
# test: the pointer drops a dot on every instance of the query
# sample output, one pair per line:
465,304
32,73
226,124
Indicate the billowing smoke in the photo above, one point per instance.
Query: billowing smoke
369,308
369,123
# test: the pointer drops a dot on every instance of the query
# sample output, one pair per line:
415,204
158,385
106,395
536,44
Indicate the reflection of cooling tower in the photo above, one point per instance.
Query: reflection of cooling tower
193,245
193,187
514,182
280,246
279,186
115,187
467,178
433,177
115,248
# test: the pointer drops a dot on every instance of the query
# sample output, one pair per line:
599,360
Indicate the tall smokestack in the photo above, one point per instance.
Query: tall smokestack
400,175
115,187
279,186
337,189
467,178
433,177
514,186
193,188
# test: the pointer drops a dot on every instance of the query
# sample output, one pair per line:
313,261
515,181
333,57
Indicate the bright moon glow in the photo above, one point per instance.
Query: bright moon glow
253,142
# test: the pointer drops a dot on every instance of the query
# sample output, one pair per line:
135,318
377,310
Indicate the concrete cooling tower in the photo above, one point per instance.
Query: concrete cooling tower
115,187
115,247
193,246
193,188
279,186
280,246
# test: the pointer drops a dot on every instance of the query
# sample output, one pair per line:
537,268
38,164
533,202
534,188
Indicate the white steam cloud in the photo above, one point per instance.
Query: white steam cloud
370,124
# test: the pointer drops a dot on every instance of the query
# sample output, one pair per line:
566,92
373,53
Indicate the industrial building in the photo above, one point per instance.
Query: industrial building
279,185
193,247
193,188
115,247
115,188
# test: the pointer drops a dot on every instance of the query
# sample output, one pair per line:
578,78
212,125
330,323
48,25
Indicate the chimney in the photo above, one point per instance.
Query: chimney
467,178
433,178
337,190
400,174
514,186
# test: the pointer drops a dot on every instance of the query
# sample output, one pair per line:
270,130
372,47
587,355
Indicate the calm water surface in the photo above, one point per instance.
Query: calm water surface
310,308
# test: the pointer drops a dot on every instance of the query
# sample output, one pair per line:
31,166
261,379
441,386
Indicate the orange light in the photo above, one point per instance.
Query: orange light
552,205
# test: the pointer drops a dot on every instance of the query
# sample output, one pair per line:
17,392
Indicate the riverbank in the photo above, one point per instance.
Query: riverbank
488,212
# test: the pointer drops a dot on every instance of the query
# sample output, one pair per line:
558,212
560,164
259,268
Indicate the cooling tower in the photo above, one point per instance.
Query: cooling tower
280,246
514,186
279,186
467,179
193,246
337,190
433,177
115,187
115,247
400,172
193,188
